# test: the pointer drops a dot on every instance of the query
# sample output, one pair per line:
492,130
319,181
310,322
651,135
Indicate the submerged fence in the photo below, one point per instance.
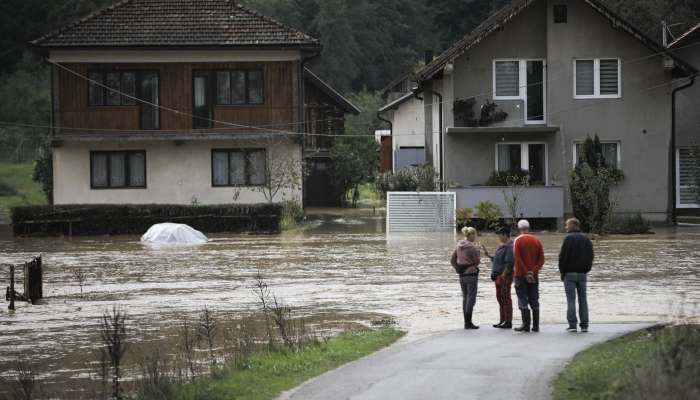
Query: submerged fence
420,212
84,220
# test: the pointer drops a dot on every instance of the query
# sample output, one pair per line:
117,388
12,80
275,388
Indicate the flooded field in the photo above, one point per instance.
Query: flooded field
342,271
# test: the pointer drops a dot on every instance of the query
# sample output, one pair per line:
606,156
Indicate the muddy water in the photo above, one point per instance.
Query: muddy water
341,270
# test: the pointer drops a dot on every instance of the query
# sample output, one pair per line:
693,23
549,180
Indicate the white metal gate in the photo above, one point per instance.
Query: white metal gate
420,211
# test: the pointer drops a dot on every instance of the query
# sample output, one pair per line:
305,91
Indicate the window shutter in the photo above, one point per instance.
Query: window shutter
585,78
685,177
507,78
609,78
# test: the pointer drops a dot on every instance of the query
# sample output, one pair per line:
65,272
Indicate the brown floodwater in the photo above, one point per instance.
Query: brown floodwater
342,270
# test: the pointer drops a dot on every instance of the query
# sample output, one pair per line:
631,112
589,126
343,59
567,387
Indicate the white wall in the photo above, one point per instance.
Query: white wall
174,173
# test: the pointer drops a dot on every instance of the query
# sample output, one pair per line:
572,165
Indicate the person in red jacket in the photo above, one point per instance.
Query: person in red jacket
529,259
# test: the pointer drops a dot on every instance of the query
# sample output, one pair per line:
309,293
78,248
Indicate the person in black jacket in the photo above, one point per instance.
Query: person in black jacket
575,262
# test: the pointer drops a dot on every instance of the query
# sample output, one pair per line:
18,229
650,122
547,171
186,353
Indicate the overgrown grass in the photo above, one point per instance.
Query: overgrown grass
368,196
19,189
652,364
265,374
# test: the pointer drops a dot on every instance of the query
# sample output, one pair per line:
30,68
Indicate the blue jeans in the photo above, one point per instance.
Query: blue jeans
528,293
575,284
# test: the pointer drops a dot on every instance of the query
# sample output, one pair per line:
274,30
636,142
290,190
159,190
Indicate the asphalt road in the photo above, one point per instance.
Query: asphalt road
485,364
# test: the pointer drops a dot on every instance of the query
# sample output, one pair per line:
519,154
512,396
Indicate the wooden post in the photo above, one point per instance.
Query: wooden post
12,288
33,288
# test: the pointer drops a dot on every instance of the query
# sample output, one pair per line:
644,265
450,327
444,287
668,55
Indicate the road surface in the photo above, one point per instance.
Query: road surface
485,364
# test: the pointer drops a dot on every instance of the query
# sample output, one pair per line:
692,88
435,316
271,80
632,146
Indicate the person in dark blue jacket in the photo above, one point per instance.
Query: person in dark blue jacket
575,262
502,275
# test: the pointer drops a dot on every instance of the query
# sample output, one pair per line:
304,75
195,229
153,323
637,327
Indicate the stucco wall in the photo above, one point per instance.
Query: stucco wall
688,100
174,173
408,124
640,119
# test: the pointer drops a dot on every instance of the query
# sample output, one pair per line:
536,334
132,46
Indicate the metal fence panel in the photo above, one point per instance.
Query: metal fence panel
420,212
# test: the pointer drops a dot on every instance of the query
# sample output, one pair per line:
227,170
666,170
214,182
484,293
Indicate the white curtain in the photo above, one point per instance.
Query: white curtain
237,168
117,176
137,170
99,170
220,169
257,167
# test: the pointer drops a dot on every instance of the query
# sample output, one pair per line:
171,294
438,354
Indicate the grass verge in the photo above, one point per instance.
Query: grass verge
655,363
266,374
21,189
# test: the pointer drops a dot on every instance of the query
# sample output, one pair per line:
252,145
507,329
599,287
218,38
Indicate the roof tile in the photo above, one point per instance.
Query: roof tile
175,23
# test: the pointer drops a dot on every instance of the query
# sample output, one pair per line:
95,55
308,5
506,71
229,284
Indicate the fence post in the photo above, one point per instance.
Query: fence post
12,288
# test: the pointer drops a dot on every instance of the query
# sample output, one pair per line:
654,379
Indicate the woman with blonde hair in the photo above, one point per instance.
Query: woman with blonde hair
465,260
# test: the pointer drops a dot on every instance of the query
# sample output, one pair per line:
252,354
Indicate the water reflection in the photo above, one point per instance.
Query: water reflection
342,269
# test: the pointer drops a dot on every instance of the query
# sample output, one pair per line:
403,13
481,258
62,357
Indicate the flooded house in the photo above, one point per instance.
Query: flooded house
164,102
687,124
524,89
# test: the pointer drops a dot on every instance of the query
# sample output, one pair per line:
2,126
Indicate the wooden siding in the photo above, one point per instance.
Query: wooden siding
175,80
322,116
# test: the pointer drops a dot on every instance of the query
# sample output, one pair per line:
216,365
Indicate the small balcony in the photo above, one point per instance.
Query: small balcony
535,201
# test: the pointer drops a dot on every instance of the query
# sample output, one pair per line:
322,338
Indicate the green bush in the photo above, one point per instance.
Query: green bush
489,213
7,190
411,179
499,178
292,214
629,225
464,217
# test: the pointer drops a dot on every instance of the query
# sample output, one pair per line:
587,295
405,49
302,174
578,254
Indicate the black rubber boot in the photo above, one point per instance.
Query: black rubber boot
499,325
535,319
506,325
468,324
525,327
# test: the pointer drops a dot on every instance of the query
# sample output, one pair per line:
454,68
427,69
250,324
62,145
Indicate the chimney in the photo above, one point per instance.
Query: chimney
428,56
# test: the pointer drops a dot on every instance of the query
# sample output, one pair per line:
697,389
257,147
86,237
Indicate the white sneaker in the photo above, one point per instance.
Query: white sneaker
571,330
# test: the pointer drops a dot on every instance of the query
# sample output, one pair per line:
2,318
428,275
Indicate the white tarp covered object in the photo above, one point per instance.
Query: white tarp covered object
170,234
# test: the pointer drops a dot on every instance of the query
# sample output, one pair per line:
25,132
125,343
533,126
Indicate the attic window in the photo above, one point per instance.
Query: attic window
560,15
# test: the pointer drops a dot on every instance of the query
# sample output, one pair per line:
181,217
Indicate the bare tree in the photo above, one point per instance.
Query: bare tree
188,344
113,333
25,381
280,175
513,196
262,291
80,277
207,332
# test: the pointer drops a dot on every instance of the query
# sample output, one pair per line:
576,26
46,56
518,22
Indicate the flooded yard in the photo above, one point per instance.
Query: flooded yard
341,271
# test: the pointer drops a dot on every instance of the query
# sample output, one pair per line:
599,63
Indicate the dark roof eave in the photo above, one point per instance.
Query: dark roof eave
184,46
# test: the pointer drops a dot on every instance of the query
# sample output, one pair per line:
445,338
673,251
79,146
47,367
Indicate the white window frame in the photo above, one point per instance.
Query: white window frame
522,86
619,150
596,79
678,184
525,157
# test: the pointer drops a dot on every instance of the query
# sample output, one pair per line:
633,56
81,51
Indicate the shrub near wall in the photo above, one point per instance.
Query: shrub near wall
84,220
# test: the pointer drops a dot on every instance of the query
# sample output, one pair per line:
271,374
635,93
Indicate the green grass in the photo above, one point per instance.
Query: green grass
644,362
368,197
267,374
18,177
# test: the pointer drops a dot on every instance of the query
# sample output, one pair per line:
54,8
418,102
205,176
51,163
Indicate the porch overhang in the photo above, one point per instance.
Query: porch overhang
176,136
502,129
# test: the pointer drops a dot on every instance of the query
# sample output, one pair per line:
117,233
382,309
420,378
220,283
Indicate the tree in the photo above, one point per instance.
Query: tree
590,184
356,160
283,174
43,170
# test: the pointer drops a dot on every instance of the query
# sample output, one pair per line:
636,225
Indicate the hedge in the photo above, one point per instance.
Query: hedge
108,219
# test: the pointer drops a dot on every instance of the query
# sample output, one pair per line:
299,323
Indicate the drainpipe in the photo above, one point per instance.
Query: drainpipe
391,136
442,177
673,146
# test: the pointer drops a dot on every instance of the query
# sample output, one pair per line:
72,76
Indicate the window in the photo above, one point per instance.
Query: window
560,14
150,114
507,79
597,78
201,104
239,87
610,151
530,157
100,87
239,167
522,80
117,169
